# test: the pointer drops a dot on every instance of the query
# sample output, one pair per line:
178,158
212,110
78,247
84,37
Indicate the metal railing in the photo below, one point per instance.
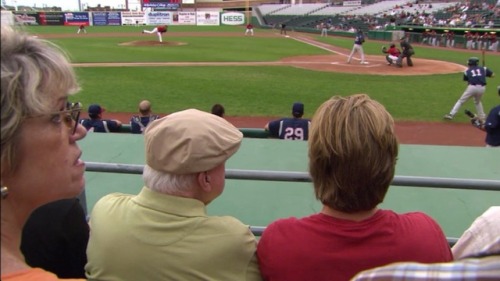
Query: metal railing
471,184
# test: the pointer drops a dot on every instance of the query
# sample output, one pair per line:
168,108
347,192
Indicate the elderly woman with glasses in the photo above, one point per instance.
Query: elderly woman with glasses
40,160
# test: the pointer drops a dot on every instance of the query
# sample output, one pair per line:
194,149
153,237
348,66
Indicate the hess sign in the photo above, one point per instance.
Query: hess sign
233,18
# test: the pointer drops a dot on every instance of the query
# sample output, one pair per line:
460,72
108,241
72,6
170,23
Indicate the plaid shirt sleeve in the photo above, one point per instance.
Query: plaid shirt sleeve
487,268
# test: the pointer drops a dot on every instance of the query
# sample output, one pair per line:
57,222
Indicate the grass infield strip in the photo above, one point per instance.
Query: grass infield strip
251,90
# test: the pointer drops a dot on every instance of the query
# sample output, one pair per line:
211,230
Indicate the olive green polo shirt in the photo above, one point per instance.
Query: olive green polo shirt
154,236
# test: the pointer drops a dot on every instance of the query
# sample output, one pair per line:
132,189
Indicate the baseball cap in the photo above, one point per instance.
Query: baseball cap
95,109
298,108
190,141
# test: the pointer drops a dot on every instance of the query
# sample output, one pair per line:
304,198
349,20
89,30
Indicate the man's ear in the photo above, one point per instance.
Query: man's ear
204,181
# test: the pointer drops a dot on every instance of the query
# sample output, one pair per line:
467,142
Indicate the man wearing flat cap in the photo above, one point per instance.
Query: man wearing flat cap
164,232
295,128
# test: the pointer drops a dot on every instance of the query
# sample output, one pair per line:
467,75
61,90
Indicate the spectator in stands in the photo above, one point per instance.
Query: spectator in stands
352,158
295,128
164,232
481,234
218,110
477,257
40,159
138,123
96,124
55,238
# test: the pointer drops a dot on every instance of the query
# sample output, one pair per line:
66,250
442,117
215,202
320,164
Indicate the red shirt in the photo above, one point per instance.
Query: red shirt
320,247
249,26
393,51
162,28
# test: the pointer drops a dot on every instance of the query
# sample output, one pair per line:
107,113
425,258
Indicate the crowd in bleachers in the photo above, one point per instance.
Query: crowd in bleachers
383,14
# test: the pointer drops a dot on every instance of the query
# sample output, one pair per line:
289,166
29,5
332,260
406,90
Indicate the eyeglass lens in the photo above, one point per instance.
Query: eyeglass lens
73,114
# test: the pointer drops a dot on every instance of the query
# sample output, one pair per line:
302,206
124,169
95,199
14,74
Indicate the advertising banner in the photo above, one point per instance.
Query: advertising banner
76,19
232,18
185,18
27,18
172,5
155,18
351,3
106,18
51,18
114,18
130,18
207,18
99,18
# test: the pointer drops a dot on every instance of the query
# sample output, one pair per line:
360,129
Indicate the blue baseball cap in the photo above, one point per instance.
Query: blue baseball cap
298,108
95,109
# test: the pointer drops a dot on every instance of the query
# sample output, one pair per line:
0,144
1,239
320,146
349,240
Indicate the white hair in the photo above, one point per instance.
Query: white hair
168,183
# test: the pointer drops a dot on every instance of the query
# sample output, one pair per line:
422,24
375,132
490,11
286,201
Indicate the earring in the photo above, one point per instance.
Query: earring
5,191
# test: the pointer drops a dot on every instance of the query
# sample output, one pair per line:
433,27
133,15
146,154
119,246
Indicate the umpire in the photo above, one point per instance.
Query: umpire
406,52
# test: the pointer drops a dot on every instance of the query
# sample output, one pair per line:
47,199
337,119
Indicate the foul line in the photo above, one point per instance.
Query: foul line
316,44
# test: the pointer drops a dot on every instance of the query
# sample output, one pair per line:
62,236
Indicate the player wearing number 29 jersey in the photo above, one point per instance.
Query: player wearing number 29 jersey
295,128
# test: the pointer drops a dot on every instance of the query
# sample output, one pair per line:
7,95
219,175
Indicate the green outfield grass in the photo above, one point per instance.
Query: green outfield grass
251,90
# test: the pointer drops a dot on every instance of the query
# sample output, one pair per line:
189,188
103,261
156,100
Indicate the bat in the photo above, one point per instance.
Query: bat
470,114
483,59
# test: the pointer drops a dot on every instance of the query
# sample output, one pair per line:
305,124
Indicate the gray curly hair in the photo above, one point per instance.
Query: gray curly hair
33,70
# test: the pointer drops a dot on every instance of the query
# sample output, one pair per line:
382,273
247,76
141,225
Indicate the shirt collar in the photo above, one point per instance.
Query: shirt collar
174,205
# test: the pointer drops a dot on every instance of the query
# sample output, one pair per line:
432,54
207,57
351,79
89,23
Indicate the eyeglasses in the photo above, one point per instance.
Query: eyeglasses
72,113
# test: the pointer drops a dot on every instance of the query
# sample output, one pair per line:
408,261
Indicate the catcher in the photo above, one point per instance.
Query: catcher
393,54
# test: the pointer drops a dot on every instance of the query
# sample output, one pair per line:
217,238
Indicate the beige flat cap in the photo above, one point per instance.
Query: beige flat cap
190,141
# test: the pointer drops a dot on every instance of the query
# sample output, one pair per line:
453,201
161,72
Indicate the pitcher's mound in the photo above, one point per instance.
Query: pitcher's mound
152,43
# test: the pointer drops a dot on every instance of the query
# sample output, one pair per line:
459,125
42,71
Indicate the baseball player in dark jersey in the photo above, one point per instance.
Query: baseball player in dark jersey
358,47
138,123
283,29
491,126
295,128
96,124
475,76
159,30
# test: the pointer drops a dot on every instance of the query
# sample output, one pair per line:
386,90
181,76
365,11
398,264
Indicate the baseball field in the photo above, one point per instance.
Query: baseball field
259,76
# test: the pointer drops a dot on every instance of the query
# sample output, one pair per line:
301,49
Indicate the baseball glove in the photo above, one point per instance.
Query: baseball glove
384,49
